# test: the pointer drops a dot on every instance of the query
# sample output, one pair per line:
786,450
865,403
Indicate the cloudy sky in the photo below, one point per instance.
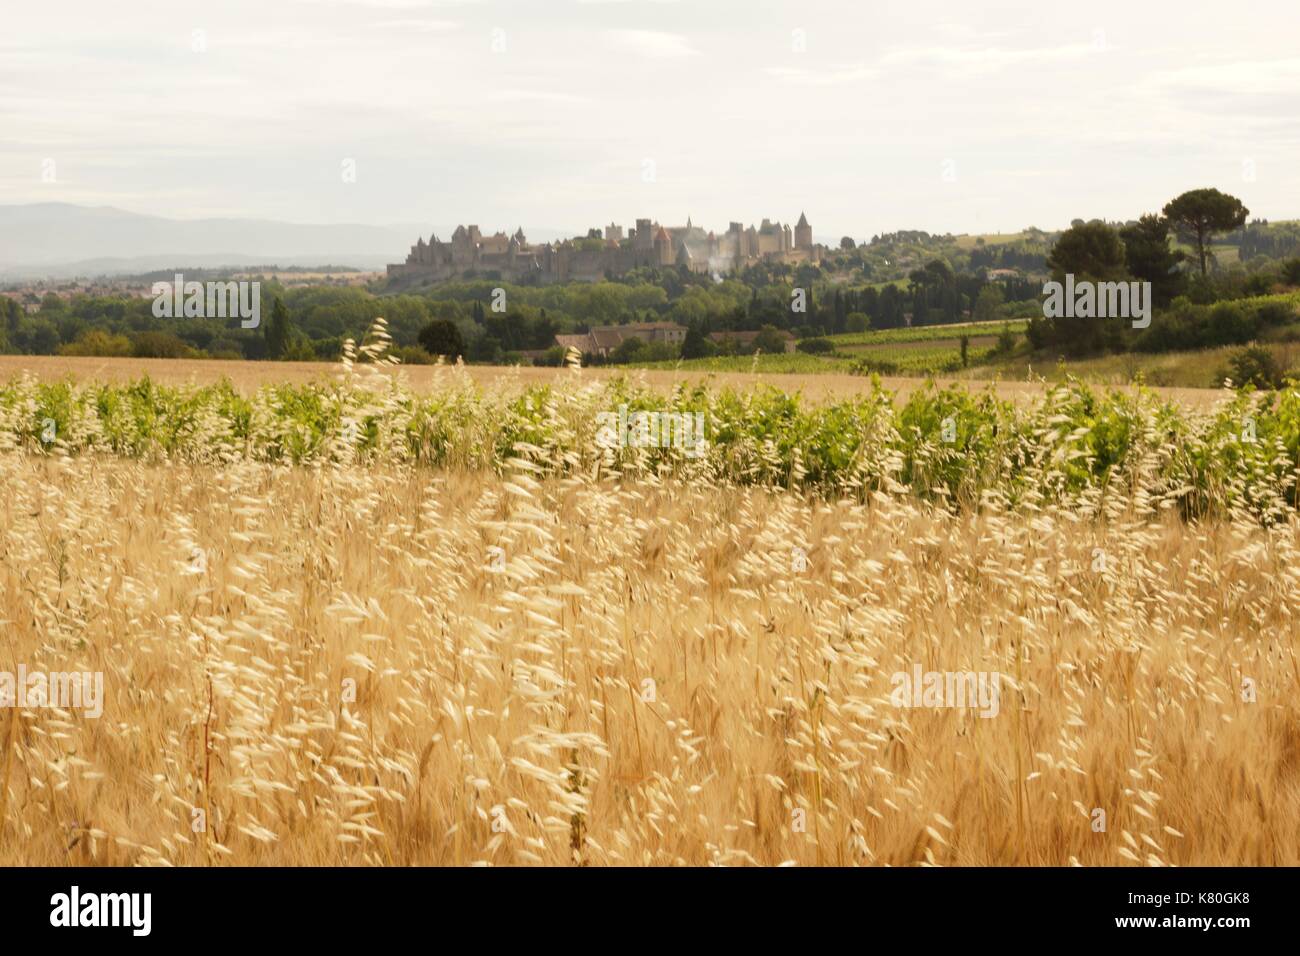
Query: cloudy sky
870,115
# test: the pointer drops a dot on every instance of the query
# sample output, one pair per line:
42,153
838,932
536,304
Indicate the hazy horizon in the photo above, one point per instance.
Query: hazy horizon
906,116
545,230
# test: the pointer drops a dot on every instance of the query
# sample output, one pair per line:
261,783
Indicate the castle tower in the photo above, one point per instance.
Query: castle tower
663,245
645,237
684,257
462,248
803,234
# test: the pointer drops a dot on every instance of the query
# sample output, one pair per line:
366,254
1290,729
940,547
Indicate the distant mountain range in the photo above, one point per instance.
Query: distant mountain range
60,240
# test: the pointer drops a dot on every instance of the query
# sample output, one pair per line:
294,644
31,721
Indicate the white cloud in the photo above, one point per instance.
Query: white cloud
1251,77
387,4
988,59
828,77
418,26
651,43
535,96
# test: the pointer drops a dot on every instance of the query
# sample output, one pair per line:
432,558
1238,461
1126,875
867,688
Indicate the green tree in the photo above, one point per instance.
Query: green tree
442,337
299,348
1006,341
1150,258
1091,249
988,304
279,331
631,349
770,340
41,337
934,293
696,344
1201,213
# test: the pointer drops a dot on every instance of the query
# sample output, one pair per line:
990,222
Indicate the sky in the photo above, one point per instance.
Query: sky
869,116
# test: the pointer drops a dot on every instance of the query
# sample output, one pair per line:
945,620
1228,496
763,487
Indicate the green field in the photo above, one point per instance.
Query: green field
940,357
1224,254
928,333
791,362
913,351
969,242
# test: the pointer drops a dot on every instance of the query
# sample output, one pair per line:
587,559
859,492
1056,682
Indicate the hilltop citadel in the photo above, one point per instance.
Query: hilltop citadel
612,255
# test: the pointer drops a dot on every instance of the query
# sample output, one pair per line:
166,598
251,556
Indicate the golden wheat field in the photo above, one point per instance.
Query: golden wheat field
385,665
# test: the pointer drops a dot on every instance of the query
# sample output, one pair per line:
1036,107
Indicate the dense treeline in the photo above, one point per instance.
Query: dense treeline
1259,238
494,320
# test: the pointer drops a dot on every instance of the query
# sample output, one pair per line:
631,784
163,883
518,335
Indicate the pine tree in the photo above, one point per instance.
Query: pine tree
279,332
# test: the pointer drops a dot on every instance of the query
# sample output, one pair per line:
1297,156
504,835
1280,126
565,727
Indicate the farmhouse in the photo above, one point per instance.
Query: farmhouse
604,339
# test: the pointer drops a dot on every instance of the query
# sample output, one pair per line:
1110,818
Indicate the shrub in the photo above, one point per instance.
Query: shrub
98,342
1231,324
1006,341
413,355
769,341
299,349
1254,365
1291,272
554,357
160,345
1272,314
638,350
870,366
816,346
